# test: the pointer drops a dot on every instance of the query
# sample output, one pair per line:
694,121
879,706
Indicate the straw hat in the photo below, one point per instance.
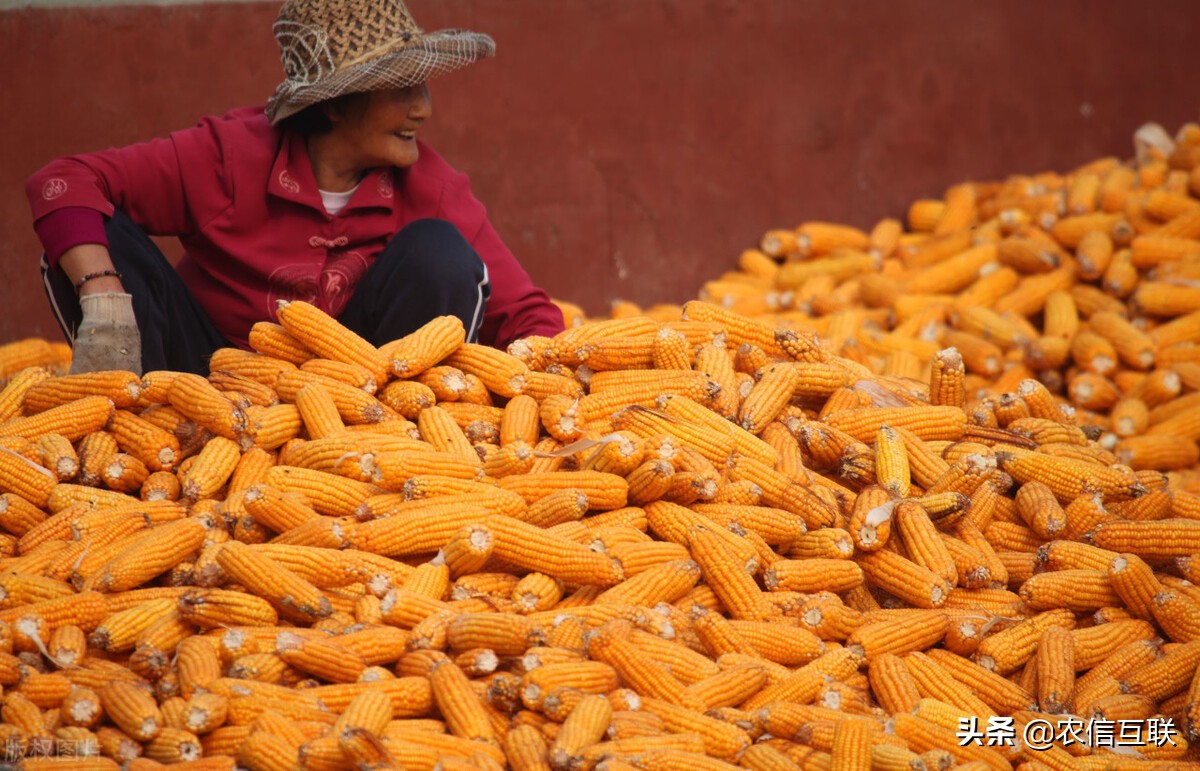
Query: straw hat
335,47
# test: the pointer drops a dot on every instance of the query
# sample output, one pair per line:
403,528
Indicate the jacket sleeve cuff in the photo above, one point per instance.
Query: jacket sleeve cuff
70,226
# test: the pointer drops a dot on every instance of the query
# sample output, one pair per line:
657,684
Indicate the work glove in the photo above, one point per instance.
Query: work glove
108,336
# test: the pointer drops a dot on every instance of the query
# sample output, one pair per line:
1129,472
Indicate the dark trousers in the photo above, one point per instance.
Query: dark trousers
427,269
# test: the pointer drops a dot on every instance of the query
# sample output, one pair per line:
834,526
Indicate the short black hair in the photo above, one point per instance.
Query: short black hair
310,121
314,119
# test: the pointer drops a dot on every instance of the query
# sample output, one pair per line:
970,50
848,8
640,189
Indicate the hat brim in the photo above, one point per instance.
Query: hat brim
407,64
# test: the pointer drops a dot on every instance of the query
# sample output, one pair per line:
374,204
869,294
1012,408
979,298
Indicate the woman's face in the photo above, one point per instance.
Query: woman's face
381,129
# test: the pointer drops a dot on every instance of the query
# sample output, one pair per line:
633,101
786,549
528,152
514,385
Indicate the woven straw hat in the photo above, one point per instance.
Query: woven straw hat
335,47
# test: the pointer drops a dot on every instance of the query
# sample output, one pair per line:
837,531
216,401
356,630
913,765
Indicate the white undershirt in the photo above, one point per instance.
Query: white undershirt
335,202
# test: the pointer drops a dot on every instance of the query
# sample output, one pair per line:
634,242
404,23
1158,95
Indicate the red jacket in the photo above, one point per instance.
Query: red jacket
241,196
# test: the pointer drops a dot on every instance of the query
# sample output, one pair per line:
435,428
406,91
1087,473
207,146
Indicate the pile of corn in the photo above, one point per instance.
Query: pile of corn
872,487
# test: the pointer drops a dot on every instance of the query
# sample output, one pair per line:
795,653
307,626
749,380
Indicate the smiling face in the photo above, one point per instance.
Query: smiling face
384,126
378,129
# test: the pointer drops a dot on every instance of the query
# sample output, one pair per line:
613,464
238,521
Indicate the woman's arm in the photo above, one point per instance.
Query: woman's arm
88,259
151,182
108,336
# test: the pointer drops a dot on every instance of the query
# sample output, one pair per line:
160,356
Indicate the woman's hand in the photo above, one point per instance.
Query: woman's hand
108,336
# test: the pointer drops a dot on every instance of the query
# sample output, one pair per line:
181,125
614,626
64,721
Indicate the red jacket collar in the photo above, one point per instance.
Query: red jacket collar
292,179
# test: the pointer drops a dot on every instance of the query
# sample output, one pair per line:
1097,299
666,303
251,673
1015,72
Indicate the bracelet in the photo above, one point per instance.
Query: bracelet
98,274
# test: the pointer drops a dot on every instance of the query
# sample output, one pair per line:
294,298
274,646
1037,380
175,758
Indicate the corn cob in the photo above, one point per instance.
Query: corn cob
328,494
74,420
121,388
905,579
354,405
861,345
604,491
433,342
148,555
210,608
531,548
198,400
291,594
321,334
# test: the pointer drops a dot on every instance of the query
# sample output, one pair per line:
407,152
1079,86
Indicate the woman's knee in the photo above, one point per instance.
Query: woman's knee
434,250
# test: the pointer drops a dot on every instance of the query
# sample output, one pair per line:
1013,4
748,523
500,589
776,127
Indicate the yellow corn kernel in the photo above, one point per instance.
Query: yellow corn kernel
904,578
769,396
198,400
852,742
438,338
320,333
132,709
210,608
146,555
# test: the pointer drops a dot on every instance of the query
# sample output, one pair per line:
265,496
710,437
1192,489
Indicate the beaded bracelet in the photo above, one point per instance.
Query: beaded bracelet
98,274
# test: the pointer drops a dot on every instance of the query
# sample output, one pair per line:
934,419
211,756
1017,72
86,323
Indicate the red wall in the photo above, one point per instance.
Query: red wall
631,148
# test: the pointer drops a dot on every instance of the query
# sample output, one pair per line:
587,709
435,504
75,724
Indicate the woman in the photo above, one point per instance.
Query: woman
326,196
